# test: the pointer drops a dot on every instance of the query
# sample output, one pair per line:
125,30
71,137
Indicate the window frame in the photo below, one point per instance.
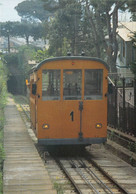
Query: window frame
60,97
68,97
93,96
51,97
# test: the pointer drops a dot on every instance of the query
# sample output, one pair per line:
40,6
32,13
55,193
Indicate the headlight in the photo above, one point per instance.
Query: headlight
98,126
45,126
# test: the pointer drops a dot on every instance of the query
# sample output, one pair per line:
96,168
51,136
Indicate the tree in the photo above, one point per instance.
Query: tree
76,25
88,24
38,31
21,29
132,8
32,10
18,68
41,55
99,11
8,30
25,30
64,27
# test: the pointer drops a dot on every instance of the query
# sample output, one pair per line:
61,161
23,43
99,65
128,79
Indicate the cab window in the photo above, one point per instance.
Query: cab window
51,85
72,82
93,84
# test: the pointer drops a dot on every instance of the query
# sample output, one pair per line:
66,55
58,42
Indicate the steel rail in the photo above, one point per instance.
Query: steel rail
84,178
90,172
22,106
68,175
123,190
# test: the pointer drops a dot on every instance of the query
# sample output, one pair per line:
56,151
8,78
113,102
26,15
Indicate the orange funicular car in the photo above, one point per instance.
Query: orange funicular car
68,101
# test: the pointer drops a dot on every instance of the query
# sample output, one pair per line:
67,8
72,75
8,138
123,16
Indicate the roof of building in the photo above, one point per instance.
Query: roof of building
126,30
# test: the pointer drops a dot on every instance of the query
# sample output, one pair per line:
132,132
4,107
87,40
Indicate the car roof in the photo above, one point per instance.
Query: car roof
36,67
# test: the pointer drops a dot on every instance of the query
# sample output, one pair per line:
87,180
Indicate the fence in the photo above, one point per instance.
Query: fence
122,108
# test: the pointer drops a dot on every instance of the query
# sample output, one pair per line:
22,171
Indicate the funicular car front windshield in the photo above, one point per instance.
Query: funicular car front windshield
93,84
72,82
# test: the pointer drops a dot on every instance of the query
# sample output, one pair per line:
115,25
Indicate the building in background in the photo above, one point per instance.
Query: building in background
126,53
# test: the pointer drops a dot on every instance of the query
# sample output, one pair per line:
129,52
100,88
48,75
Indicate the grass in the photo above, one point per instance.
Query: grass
58,187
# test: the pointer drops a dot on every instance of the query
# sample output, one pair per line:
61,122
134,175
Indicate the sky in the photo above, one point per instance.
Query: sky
7,11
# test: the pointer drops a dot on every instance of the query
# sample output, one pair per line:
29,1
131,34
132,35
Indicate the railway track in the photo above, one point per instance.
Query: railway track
87,178
77,169
78,174
26,110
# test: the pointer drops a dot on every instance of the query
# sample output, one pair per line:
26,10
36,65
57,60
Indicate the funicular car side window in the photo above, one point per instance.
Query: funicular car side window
93,84
51,85
72,82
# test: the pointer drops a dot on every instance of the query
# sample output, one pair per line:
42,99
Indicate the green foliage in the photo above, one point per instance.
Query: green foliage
26,53
8,28
132,8
32,10
3,86
3,94
22,29
77,25
65,28
73,25
40,55
20,59
84,26
11,59
59,188
18,68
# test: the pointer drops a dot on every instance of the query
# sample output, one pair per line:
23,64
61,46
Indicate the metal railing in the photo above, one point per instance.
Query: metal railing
121,111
